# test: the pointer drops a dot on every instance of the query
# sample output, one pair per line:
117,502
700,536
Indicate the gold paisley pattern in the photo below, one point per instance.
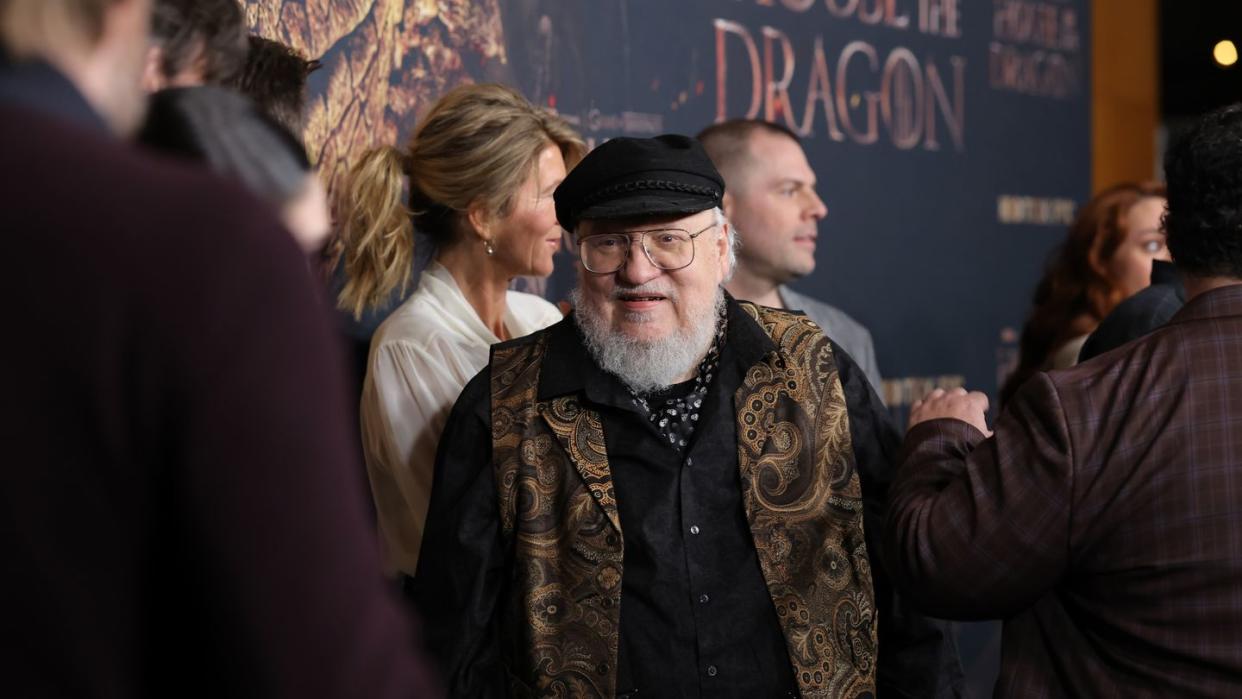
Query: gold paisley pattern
555,494
511,367
804,503
581,434
799,486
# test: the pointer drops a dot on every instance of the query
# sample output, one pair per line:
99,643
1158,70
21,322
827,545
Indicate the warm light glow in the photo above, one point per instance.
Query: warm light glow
1225,53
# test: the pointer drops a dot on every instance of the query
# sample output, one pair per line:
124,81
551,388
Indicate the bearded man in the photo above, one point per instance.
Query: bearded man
661,495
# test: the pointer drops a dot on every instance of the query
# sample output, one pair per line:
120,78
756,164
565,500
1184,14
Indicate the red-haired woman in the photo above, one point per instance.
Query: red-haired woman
1105,259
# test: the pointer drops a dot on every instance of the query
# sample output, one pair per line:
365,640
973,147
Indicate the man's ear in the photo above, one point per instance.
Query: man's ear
723,245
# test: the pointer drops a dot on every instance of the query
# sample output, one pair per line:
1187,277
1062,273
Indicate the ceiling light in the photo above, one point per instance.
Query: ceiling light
1225,53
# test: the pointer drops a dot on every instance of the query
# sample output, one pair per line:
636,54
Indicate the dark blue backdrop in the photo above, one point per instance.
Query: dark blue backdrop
950,137
939,220
980,108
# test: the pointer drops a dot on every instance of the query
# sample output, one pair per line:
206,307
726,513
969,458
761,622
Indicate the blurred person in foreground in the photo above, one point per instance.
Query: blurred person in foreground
664,494
274,76
226,132
1101,520
771,199
180,517
194,42
1105,259
481,168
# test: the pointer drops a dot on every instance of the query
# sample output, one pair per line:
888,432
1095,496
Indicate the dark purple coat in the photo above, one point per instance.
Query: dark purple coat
180,507
1102,522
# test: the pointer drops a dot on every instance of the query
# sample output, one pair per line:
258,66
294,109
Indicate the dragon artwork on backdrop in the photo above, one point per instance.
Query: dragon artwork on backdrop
385,62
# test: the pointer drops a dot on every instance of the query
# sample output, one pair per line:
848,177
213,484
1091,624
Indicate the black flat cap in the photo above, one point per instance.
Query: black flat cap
628,177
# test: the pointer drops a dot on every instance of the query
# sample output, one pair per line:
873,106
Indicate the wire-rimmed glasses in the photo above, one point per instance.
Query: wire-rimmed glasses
668,249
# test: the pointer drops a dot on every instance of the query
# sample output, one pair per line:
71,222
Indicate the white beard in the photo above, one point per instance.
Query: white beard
648,365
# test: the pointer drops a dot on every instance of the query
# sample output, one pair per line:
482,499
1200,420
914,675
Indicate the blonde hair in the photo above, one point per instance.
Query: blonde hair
476,147
38,27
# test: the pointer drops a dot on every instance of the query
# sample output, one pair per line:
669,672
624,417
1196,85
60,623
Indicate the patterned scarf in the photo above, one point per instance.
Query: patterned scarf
676,416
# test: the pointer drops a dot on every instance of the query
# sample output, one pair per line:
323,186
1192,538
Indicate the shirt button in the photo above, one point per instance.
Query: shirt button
611,539
711,670
694,529
704,599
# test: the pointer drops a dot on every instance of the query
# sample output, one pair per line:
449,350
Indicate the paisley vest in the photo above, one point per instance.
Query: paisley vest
560,614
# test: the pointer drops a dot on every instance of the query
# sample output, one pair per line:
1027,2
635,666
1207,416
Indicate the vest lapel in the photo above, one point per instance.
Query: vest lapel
581,435
804,505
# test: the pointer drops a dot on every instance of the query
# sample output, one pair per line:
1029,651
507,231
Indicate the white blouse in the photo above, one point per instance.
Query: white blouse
421,358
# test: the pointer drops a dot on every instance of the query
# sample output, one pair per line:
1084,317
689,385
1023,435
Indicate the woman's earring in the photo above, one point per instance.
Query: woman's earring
487,247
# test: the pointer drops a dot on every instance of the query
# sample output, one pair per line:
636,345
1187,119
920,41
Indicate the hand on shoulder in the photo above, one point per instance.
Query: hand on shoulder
957,404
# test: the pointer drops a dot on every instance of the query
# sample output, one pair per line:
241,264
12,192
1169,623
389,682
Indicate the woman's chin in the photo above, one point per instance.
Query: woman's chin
542,269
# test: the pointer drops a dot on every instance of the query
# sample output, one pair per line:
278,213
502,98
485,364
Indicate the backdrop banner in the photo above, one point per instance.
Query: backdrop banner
950,137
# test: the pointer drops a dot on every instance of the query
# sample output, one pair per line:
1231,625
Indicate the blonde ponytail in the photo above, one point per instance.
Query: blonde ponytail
376,233
476,146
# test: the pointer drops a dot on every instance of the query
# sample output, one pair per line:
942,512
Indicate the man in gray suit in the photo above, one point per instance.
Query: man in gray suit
770,199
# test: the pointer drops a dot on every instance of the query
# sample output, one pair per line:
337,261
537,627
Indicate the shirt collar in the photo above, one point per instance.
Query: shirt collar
569,368
37,86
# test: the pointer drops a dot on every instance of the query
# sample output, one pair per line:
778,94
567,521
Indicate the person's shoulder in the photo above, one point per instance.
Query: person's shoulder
759,312
141,217
526,300
418,320
124,180
1125,372
835,322
1133,318
841,322
475,399
1066,355
215,217
1144,308
561,328
533,309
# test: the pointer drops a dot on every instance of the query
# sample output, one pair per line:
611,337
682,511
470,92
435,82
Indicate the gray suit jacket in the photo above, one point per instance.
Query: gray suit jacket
842,329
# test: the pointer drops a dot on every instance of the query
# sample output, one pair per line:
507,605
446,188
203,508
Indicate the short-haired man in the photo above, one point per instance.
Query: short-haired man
181,516
662,495
771,200
274,77
1102,519
195,42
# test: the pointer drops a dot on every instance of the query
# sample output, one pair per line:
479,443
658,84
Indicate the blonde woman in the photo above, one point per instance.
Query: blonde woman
482,167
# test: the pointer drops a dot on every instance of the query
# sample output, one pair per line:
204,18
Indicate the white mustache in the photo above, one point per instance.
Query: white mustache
650,288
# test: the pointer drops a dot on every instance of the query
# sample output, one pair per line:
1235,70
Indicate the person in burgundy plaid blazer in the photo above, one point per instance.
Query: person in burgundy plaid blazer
1103,519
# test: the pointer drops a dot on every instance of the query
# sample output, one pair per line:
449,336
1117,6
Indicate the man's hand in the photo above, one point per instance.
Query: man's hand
956,404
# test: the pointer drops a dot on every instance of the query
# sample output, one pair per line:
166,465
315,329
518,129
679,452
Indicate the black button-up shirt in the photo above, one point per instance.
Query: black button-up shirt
696,616
697,619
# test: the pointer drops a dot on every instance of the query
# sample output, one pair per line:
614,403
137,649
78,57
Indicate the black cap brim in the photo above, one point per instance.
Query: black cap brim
647,205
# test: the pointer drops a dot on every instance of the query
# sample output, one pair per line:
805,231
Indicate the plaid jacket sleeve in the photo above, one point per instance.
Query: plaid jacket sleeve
979,528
